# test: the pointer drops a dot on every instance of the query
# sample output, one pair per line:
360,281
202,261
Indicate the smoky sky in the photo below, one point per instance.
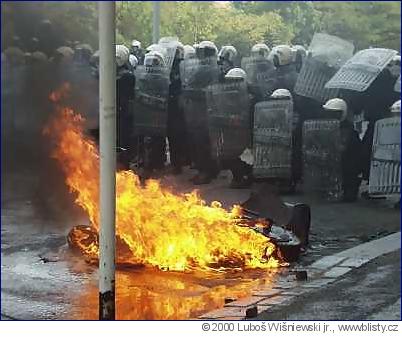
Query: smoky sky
28,170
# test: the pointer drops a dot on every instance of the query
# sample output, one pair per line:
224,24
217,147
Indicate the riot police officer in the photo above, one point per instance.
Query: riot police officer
375,103
82,53
286,75
124,93
260,50
350,148
299,55
176,123
242,166
206,49
64,55
137,51
206,52
154,146
226,59
133,61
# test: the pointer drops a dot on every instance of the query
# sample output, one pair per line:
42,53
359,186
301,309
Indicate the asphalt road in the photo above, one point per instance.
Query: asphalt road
65,287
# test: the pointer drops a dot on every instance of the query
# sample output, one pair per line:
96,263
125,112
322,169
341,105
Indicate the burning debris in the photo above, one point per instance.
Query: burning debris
153,225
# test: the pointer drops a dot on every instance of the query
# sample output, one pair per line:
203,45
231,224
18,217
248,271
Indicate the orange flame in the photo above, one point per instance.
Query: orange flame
169,231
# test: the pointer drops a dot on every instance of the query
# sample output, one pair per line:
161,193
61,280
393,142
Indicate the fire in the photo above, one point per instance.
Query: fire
159,228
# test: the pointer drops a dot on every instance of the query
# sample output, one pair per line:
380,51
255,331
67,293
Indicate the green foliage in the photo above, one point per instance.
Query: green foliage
241,23
365,23
369,23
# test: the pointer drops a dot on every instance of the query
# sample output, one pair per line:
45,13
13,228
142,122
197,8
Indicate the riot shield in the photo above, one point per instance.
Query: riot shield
260,75
151,100
196,76
228,120
362,69
322,154
385,171
326,54
168,49
397,86
272,139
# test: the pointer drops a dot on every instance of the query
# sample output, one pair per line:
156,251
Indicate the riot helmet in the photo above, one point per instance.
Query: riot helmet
189,52
154,58
396,108
236,74
260,50
281,55
281,94
206,49
336,108
136,44
299,50
396,60
64,53
135,47
394,66
38,57
14,55
122,55
299,55
227,53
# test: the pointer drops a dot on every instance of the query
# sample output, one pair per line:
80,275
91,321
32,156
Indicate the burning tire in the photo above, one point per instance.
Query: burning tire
288,245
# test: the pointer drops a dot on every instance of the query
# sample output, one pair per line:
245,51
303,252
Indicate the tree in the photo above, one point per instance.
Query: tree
366,24
196,21
241,23
301,17
134,21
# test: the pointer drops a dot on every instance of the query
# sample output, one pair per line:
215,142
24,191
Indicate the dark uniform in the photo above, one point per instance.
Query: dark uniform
139,54
376,101
224,66
176,123
124,93
350,161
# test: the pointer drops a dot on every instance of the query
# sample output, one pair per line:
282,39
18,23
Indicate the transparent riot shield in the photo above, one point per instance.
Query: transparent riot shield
168,49
260,75
196,76
272,139
151,100
228,120
359,72
385,171
326,54
322,155
196,73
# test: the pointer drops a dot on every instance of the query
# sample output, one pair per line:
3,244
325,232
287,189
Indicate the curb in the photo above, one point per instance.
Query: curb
321,273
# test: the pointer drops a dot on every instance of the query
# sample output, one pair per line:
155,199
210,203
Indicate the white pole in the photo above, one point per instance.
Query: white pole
107,145
156,21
